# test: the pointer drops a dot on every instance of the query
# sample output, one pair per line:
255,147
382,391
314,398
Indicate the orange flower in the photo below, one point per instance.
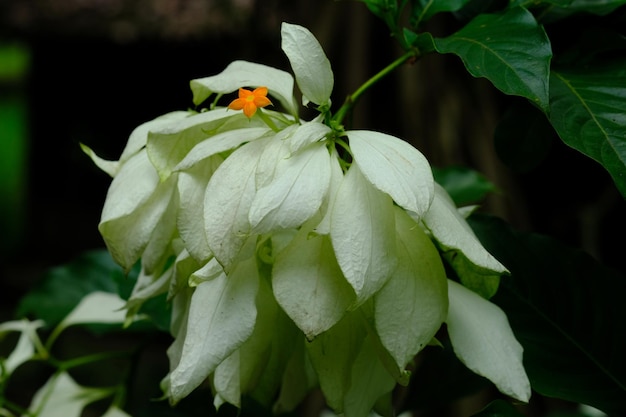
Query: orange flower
249,101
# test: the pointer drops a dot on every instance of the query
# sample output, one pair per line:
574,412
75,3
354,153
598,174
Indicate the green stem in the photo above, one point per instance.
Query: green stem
352,99
267,120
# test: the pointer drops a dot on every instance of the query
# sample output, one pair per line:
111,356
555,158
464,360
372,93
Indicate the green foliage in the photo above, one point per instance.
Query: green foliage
464,185
580,89
516,65
62,288
587,111
567,311
499,408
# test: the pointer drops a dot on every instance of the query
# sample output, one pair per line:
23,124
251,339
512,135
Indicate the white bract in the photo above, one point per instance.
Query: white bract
296,254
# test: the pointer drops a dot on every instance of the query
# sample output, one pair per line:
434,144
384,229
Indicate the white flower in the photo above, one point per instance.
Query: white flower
291,261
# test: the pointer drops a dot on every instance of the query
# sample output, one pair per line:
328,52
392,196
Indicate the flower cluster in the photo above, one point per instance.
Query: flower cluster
296,255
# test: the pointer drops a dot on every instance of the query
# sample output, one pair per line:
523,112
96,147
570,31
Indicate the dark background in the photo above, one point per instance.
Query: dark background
97,69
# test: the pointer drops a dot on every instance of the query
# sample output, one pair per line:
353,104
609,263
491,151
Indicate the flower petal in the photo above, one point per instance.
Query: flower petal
333,354
394,167
295,194
222,314
476,267
168,145
306,134
484,342
192,185
243,73
412,305
227,202
219,143
309,63
133,209
309,286
363,234
370,381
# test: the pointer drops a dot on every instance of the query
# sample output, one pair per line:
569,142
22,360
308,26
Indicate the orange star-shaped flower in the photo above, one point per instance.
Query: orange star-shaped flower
249,101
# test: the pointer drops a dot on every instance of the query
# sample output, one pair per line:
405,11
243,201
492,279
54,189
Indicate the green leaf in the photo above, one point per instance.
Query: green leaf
423,10
464,185
510,49
567,311
587,111
63,287
499,408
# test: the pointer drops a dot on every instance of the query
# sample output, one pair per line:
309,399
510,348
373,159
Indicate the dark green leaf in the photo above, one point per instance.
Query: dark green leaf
499,408
464,185
425,9
587,111
599,7
510,49
567,311
63,287
523,137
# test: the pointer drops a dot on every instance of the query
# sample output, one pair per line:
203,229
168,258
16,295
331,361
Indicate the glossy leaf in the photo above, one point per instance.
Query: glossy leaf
587,111
567,311
510,49
423,10
564,8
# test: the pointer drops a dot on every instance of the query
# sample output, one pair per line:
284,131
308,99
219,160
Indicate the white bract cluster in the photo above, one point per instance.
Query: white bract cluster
291,262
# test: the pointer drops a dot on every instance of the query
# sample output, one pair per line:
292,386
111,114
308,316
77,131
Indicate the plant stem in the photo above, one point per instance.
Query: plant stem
352,99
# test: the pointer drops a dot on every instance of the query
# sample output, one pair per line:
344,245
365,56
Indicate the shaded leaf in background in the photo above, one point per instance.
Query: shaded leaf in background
523,137
587,111
567,311
63,287
464,185
499,408
510,49
423,10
